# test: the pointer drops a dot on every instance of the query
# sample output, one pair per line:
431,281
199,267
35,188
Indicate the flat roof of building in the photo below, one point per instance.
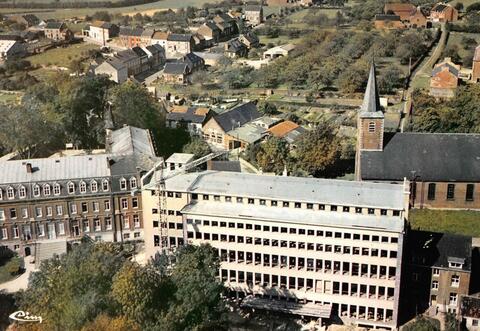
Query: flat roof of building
292,215
301,189
180,158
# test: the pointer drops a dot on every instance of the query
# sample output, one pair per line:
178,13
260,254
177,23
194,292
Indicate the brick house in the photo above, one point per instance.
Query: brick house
58,31
130,37
176,73
387,21
403,10
417,19
216,129
444,169
438,271
179,45
253,14
476,65
116,70
443,12
444,81
211,32
101,32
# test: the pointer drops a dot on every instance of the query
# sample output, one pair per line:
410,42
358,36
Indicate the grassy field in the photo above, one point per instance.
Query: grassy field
9,97
452,221
466,3
455,39
60,56
81,12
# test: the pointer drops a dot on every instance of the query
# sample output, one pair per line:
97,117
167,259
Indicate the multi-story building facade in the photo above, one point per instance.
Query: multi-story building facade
321,248
438,269
66,198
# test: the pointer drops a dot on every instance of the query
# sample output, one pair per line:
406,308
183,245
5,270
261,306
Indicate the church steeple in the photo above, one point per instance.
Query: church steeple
371,101
370,124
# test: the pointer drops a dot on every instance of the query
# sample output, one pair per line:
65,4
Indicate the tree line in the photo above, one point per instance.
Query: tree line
74,4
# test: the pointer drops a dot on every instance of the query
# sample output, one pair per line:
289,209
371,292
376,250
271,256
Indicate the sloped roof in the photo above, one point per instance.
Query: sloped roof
130,140
437,249
371,101
126,55
139,51
237,116
399,7
444,66
440,7
436,157
54,25
160,35
127,31
179,37
187,114
235,46
386,17
113,62
256,8
175,68
282,128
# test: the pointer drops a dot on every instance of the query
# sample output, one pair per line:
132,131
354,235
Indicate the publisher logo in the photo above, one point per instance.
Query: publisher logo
25,317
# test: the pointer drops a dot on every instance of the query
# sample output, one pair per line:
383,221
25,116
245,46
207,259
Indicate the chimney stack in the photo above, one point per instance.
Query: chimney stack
29,168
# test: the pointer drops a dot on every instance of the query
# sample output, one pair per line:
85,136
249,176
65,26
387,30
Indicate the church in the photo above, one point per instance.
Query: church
443,168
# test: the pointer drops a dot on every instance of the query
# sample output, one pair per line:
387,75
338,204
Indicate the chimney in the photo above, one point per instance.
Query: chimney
29,168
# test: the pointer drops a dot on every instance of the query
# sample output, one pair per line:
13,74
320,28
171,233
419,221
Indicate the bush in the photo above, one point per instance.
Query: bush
13,266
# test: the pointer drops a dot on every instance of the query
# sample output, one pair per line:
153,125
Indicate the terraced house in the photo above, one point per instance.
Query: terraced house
66,198
328,249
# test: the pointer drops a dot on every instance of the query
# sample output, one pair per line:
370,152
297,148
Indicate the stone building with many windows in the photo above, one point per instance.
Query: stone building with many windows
328,249
66,198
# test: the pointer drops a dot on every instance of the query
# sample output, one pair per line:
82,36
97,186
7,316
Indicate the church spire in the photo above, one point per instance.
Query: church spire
371,101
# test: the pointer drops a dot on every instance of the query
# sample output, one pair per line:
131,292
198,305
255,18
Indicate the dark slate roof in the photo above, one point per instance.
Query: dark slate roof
232,166
31,19
450,68
107,25
148,33
387,17
235,46
237,116
439,8
253,8
470,307
192,60
436,249
54,25
10,37
434,157
212,26
140,52
371,101
126,55
225,17
179,37
250,37
175,68
116,63
127,31
189,116
154,49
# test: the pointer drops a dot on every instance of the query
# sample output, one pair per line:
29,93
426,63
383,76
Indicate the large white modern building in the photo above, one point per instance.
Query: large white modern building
329,249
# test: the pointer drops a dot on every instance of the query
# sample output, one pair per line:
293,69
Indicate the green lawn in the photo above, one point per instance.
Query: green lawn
61,56
455,39
452,221
5,276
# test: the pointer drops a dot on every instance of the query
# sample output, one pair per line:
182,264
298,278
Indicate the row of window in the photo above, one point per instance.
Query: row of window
24,232
454,282
287,204
56,189
469,193
290,230
339,249
48,211
308,284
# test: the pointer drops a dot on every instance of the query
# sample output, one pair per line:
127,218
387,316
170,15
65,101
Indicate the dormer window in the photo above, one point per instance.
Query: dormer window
93,186
22,192
36,190
123,184
133,182
83,187
56,189
46,190
105,185
71,188
10,193
455,262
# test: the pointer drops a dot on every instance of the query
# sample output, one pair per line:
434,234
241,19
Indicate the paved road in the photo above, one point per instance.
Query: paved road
21,282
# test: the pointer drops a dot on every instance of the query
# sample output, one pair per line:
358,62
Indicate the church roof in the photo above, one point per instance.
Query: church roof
371,102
